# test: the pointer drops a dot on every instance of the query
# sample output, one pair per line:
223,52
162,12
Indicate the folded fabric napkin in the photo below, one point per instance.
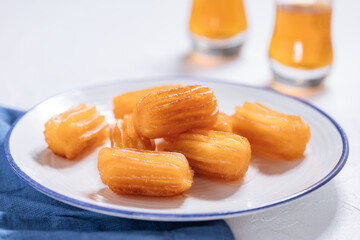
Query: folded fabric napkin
28,214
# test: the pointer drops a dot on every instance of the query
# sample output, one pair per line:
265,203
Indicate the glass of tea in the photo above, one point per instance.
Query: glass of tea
218,27
301,51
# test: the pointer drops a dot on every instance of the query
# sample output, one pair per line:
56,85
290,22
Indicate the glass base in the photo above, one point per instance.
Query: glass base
218,47
298,77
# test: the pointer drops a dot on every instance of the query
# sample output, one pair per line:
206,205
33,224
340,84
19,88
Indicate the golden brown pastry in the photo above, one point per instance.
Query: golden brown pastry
217,154
124,135
125,103
171,112
271,134
72,132
143,172
223,123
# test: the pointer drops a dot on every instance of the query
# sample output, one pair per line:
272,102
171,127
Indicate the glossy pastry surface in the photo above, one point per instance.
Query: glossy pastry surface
124,135
171,112
223,123
72,132
125,103
143,172
271,134
217,154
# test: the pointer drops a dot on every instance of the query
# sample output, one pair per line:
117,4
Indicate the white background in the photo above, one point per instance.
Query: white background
47,47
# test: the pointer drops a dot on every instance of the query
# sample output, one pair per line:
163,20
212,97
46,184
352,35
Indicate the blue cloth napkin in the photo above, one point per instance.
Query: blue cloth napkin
28,214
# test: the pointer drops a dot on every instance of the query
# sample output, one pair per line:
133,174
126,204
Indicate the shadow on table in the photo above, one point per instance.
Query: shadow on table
274,166
304,218
192,62
297,91
213,189
48,158
105,195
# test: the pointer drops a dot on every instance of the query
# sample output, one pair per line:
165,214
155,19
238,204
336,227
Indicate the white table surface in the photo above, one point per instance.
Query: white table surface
47,47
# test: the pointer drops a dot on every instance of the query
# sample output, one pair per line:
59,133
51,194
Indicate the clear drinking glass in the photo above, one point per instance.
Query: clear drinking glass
218,26
301,51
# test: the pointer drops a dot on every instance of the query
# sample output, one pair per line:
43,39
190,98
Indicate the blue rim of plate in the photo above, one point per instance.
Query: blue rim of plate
178,217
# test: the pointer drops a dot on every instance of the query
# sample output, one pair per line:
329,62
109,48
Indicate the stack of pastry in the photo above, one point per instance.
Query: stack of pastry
164,135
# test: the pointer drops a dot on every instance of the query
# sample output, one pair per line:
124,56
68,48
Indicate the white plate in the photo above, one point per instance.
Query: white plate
265,185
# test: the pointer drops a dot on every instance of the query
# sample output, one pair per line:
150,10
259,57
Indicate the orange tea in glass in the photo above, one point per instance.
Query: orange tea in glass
301,51
218,27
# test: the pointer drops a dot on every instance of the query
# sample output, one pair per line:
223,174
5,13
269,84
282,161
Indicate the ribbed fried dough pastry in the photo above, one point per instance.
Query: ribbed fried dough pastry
125,103
213,153
80,128
168,113
223,123
124,135
271,134
164,144
143,172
